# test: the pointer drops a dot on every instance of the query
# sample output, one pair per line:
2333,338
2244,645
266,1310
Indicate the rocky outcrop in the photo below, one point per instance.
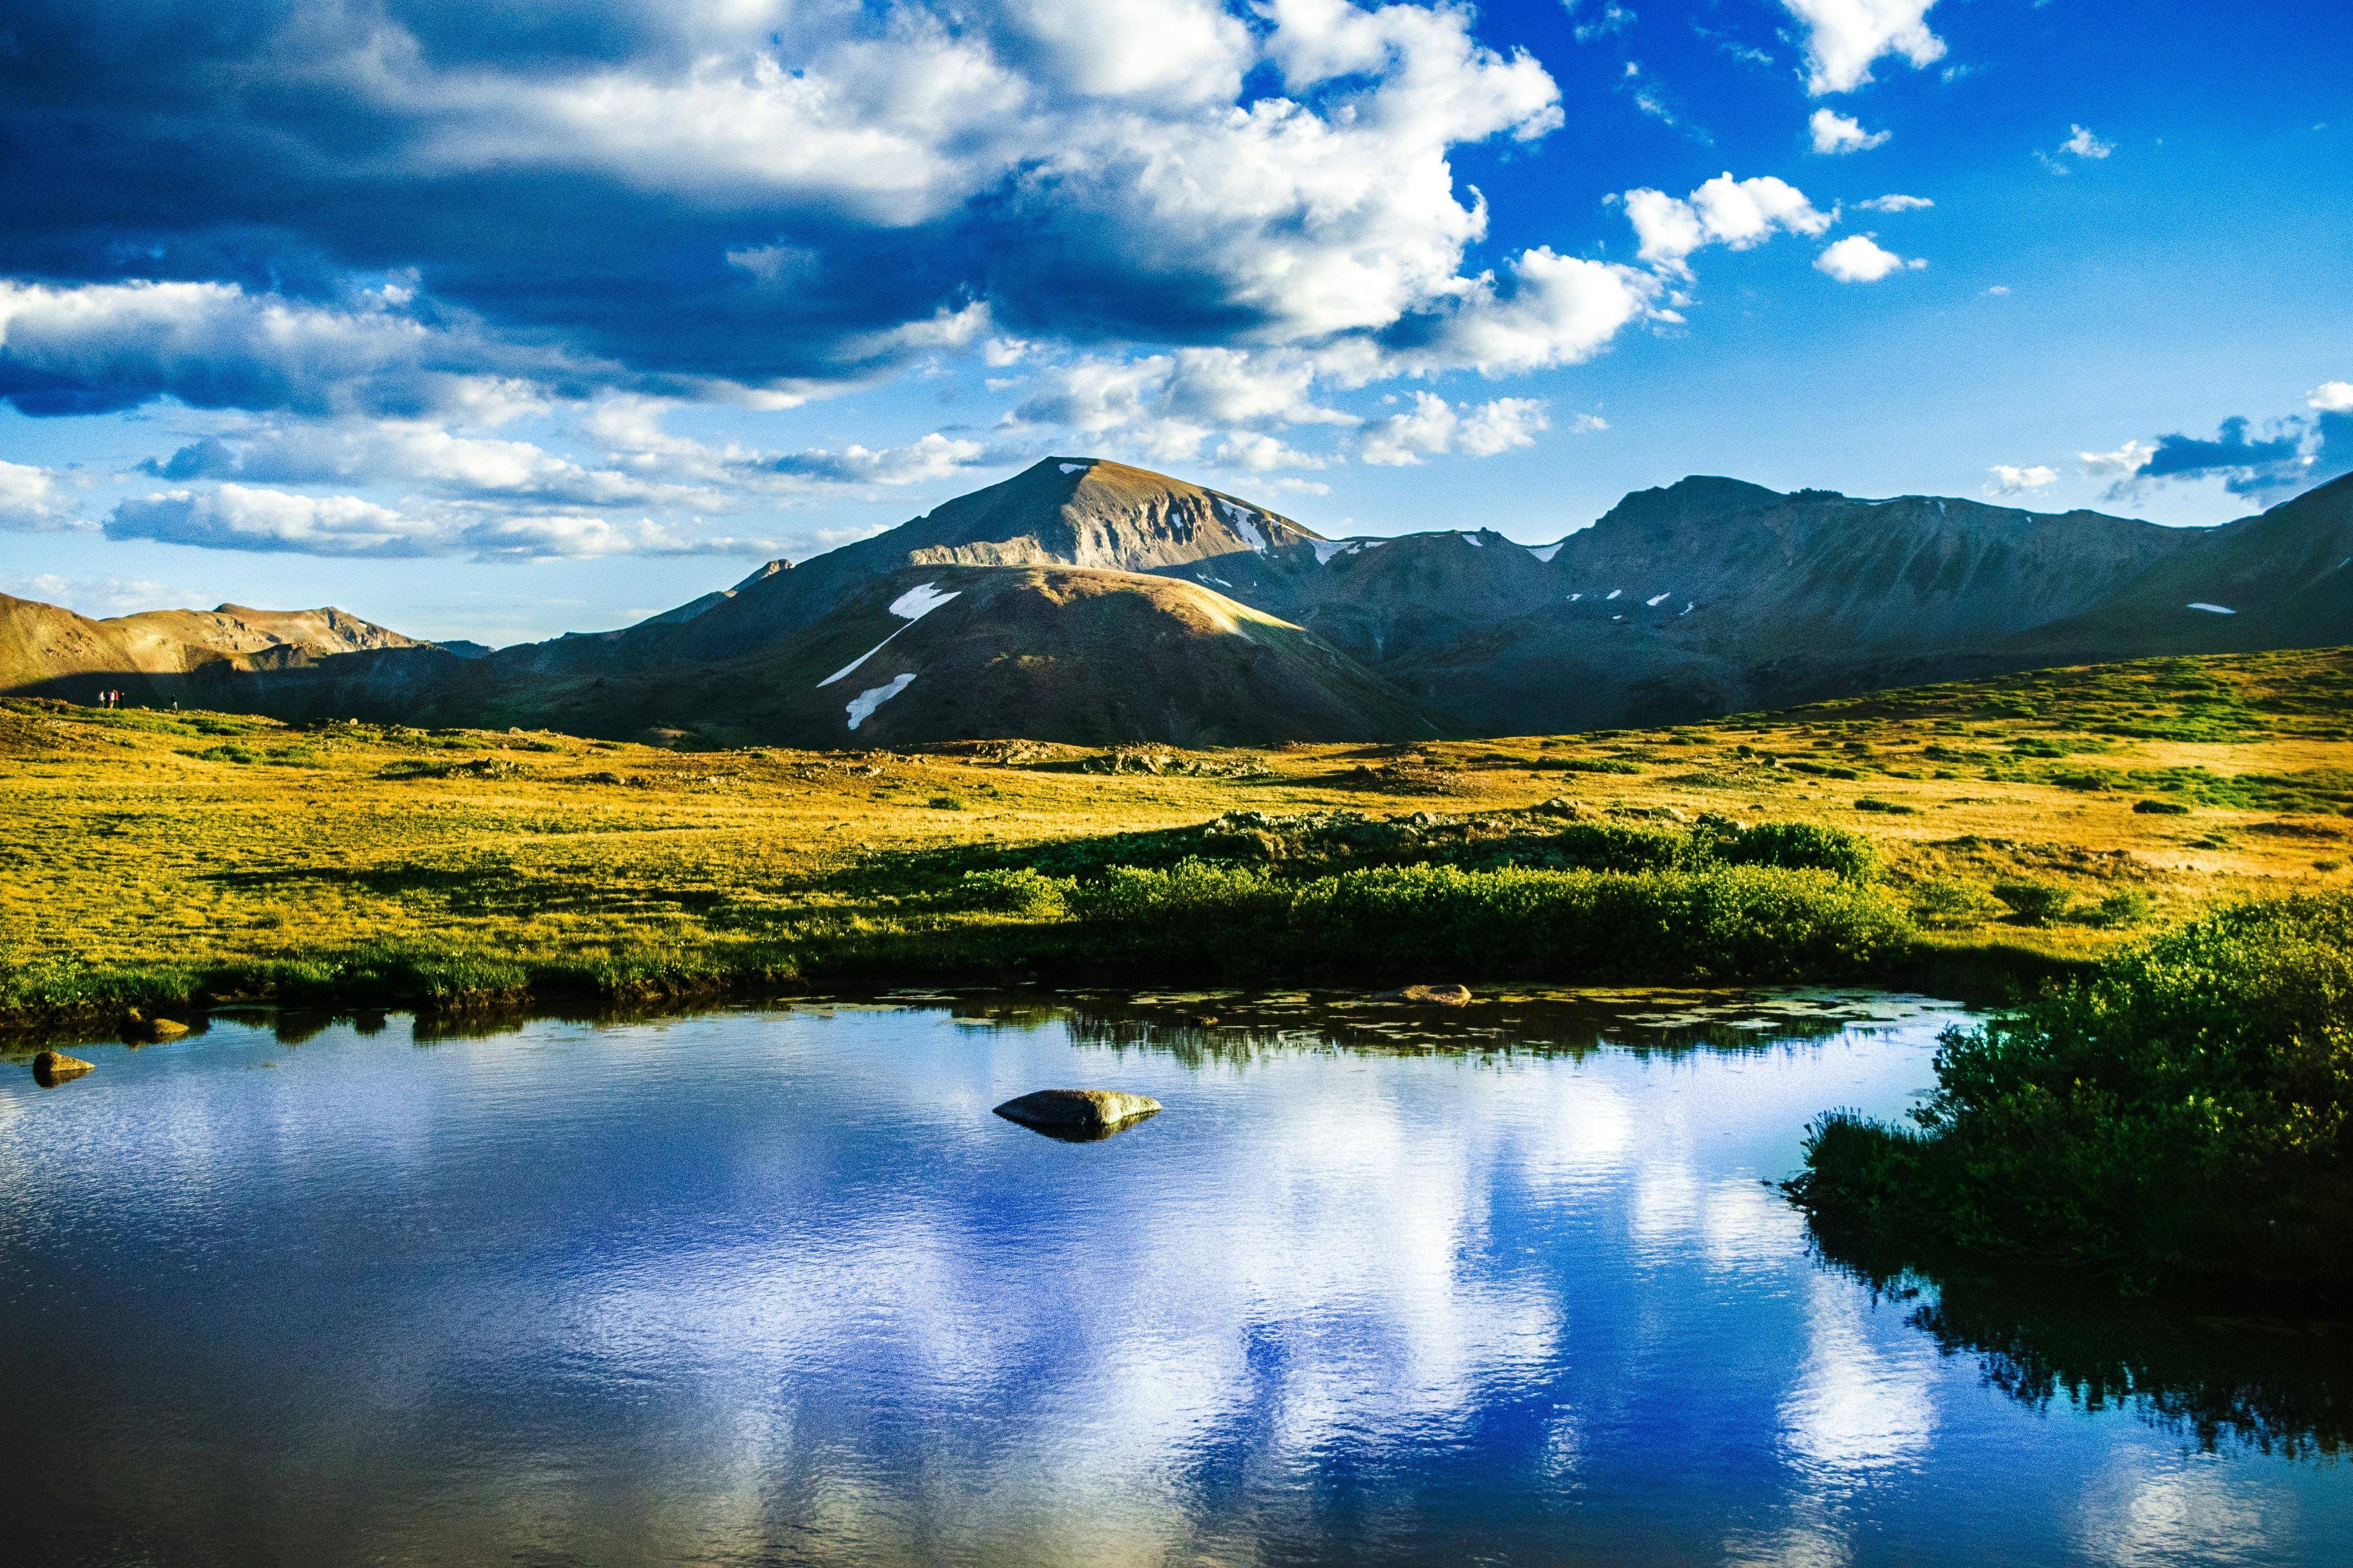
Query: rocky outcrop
1079,1113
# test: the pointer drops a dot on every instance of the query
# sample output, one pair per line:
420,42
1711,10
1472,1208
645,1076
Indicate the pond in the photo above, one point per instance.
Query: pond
1376,1286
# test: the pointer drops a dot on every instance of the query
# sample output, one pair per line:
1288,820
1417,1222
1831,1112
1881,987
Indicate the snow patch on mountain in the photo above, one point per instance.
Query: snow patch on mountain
1545,553
862,706
2213,609
921,600
1245,522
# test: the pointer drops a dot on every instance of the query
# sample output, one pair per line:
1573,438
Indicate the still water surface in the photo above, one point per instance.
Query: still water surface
777,1288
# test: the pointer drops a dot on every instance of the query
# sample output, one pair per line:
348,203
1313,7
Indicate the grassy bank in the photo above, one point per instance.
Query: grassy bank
2176,1124
1546,899
147,857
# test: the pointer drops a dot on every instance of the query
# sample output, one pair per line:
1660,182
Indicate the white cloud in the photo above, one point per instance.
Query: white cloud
1739,213
1257,453
1501,425
1433,426
1835,133
2009,480
1859,258
1553,311
1843,38
2083,145
2123,463
935,456
2332,397
407,452
212,345
1406,438
31,502
244,517
239,517
98,596
1603,19
1999,290
1894,204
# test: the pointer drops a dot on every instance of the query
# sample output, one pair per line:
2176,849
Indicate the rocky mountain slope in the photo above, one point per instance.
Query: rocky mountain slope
1093,602
46,650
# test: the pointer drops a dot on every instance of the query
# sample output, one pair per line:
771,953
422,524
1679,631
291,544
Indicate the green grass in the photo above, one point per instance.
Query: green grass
2179,1124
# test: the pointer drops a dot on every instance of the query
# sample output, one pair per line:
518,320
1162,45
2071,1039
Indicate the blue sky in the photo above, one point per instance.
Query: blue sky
502,320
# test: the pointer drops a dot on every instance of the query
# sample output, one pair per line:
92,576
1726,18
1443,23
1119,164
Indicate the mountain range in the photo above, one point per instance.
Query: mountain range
1087,601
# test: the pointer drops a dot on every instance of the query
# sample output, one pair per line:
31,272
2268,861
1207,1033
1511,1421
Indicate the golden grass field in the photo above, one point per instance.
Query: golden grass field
154,838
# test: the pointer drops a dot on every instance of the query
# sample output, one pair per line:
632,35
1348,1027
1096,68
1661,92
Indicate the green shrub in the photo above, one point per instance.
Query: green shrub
2124,907
2159,808
1892,807
1802,846
2179,1122
1749,922
2034,903
1947,901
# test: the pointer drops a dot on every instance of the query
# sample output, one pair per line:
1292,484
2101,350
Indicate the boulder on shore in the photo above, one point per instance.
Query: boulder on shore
1429,995
56,1067
1078,1112
137,1026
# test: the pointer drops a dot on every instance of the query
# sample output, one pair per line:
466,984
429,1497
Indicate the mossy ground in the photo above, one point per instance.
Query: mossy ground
141,852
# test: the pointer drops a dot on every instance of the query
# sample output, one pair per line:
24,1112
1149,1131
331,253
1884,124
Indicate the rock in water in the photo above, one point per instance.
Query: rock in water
1429,995
56,1067
1078,1113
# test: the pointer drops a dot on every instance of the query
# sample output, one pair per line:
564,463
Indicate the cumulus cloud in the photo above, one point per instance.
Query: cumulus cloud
2009,480
1547,311
1859,258
2083,145
2331,397
2281,457
31,502
99,347
237,517
1897,204
2247,464
1433,426
1738,214
935,456
250,517
409,453
2080,144
698,202
101,595
1845,37
1599,20
2123,463
1835,133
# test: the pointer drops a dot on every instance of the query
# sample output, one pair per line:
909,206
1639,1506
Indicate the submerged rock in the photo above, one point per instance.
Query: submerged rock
1429,995
56,1067
1078,1113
